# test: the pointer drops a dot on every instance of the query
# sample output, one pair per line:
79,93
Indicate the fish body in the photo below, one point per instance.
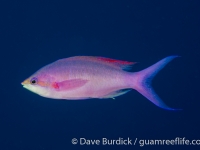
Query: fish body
84,77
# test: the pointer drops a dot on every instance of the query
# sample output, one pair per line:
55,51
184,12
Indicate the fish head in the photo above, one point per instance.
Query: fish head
38,83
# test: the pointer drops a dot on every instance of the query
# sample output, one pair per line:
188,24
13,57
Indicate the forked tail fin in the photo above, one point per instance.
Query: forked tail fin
142,82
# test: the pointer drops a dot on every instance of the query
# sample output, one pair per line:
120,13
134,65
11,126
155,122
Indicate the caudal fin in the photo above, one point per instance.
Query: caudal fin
142,82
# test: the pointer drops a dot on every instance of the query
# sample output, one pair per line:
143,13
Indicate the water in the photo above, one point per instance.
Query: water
35,33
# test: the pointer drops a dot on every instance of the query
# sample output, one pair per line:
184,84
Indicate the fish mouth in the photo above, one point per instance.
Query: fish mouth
25,82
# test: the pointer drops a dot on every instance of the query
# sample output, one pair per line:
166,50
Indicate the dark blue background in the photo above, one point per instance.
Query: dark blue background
34,33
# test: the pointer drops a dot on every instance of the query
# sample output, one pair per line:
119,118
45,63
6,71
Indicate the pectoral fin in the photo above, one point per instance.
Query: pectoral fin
69,84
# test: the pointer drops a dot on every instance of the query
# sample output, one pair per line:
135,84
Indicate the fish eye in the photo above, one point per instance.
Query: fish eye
33,80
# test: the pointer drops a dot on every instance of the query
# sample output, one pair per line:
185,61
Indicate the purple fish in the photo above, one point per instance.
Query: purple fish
84,77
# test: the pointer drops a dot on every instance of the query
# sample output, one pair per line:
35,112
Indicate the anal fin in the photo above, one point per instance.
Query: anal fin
116,93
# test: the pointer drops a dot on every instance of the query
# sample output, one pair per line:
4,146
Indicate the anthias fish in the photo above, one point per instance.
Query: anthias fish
84,77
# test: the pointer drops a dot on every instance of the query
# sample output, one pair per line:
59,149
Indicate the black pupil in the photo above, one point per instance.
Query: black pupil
33,81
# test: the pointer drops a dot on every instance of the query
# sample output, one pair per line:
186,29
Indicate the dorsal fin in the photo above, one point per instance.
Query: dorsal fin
125,65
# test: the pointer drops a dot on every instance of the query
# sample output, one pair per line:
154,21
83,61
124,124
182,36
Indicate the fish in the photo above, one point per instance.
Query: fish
86,77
